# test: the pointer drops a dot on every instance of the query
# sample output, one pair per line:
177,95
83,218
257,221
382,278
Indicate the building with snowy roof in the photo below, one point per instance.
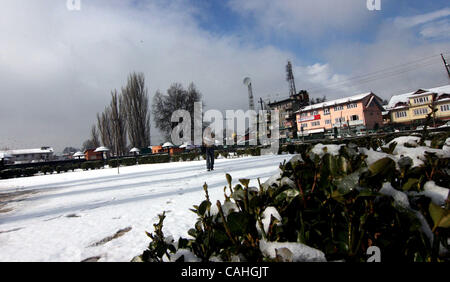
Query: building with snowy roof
358,112
413,107
30,155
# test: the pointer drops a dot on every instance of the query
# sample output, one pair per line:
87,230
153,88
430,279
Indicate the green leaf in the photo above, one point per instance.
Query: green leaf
391,148
192,232
410,183
286,195
337,196
255,202
198,226
244,182
382,167
220,237
229,178
204,206
440,216
238,223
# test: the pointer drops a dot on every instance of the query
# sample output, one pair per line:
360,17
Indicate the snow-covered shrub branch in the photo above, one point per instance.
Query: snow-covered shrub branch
330,202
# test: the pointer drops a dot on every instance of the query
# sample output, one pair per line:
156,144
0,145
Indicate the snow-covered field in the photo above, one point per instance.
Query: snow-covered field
65,217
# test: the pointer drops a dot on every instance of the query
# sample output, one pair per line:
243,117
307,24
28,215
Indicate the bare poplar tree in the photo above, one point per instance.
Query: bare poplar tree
135,105
94,137
118,124
105,127
177,98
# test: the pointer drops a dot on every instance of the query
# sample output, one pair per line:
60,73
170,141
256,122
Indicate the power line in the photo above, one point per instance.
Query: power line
379,74
375,78
415,63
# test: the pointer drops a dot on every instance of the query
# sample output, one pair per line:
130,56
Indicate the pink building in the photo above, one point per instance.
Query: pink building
363,111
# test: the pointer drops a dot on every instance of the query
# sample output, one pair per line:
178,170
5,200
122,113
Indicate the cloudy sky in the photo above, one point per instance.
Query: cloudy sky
58,66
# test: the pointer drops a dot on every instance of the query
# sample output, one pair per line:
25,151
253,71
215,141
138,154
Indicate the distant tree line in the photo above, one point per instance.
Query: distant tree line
125,122
126,118
318,100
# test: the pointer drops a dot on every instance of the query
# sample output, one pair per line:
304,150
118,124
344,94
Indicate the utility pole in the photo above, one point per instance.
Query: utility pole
261,102
447,67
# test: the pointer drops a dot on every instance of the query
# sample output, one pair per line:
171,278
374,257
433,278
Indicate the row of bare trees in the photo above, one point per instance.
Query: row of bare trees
125,119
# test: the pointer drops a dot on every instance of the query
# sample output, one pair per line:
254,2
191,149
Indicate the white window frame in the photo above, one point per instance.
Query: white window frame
445,108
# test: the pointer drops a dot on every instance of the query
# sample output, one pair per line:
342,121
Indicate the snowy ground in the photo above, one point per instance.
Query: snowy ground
65,217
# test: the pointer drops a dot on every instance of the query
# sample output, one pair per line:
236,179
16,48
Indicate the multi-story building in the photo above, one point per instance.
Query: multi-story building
413,108
287,108
358,112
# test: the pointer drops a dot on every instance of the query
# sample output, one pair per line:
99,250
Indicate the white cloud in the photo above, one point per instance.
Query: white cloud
309,18
57,67
436,30
408,22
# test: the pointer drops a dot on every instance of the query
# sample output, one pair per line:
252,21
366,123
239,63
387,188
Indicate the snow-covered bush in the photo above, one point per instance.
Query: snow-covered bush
328,203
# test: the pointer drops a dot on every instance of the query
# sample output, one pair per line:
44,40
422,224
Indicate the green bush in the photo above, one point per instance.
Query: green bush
30,171
122,162
176,158
10,173
90,165
335,204
47,169
113,163
128,161
152,159
86,166
68,167
224,154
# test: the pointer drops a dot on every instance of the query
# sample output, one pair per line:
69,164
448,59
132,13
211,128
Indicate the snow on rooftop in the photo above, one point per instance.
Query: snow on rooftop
404,98
336,102
440,90
43,150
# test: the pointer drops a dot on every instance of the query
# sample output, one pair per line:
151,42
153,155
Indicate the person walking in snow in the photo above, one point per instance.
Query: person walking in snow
208,143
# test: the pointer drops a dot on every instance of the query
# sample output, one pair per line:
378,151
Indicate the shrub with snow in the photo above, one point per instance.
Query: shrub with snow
331,203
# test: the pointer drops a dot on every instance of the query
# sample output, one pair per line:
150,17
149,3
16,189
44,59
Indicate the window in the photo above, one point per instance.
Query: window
339,120
421,100
401,114
326,111
351,106
314,113
328,121
421,111
315,123
354,117
304,125
304,115
338,108
445,108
